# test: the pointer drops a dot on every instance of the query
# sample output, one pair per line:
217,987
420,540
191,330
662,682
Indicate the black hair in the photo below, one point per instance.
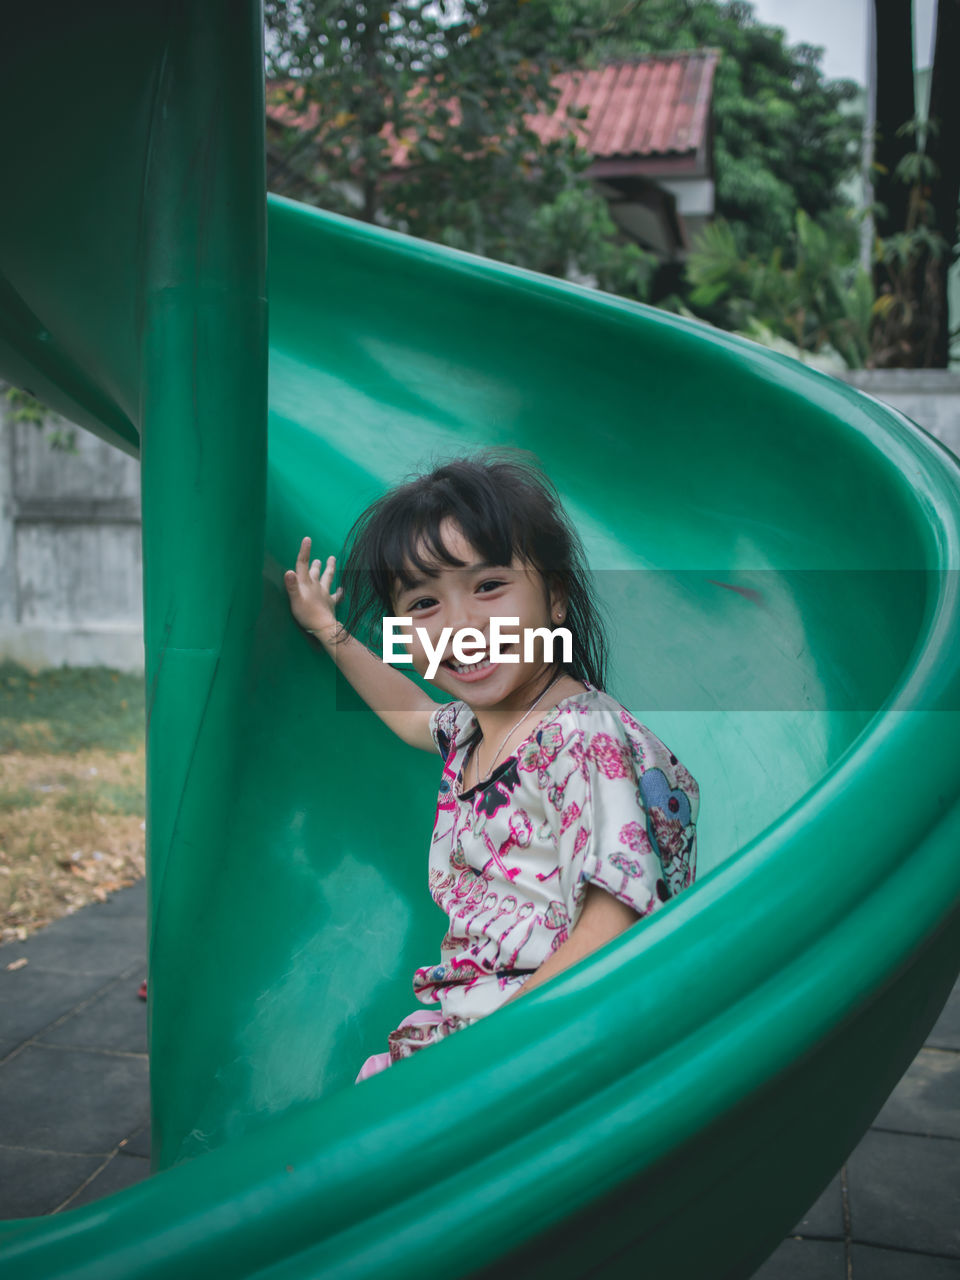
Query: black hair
504,505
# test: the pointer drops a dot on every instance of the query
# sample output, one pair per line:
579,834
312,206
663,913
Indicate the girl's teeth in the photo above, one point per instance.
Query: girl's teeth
474,666
470,666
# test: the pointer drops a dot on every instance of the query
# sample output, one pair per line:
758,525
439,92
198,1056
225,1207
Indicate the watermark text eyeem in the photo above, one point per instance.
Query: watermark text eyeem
469,645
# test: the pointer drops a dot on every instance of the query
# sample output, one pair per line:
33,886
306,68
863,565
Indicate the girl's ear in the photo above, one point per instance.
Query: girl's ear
558,603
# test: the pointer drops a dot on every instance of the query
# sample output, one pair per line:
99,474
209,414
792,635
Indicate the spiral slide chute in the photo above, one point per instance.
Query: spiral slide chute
777,555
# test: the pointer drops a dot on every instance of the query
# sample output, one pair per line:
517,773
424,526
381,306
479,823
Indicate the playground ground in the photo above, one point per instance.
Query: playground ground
74,1097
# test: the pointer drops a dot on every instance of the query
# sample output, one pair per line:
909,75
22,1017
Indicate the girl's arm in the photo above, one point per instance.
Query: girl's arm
601,919
400,704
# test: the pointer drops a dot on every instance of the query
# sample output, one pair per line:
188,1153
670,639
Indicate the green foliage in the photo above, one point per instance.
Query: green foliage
27,408
578,225
910,266
24,407
68,709
356,78
84,798
12,798
785,138
456,91
822,301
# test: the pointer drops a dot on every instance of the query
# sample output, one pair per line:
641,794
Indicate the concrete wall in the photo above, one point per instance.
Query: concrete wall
70,569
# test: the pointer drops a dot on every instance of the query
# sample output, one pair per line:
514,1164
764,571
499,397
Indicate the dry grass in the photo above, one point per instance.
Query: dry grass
71,807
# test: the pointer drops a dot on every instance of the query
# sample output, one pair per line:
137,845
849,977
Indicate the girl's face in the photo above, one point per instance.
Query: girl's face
469,596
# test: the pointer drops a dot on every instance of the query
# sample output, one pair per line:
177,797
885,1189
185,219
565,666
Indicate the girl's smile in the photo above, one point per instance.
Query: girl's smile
470,673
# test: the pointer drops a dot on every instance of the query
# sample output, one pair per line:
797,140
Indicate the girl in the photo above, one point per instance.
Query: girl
561,820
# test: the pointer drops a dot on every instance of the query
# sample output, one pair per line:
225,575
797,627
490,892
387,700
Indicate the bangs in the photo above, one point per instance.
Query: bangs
414,544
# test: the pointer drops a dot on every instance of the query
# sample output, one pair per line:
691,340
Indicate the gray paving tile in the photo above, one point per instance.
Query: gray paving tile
868,1263
31,998
904,1192
115,1176
72,1100
35,1182
927,1099
138,1144
946,1032
125,902
82,943
824,1218
805,1260
116,1019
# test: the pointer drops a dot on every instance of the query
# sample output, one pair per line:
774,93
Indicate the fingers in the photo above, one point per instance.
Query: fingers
326,579
306,571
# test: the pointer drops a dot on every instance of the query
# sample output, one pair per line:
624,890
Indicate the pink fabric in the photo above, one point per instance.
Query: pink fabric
380,1061
591,795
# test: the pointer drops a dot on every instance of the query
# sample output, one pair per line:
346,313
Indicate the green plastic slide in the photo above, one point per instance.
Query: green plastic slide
778,556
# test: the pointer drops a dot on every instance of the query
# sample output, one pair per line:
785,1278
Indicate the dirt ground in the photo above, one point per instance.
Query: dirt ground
71,791
71,833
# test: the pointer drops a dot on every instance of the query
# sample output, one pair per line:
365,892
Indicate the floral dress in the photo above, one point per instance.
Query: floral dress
589,797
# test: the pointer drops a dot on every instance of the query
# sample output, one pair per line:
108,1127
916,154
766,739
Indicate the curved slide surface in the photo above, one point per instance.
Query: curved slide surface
777,554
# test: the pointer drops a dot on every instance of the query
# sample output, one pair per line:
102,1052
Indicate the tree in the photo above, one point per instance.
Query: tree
822,303
785,138
916,187
894,107
453,91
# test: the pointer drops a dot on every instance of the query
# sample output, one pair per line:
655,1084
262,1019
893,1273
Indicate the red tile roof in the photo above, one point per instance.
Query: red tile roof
656,106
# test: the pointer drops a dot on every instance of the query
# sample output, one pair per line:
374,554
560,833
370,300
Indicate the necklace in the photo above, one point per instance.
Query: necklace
476,758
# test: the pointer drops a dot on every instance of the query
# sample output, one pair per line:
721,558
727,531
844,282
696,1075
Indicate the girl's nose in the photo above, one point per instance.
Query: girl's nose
474,618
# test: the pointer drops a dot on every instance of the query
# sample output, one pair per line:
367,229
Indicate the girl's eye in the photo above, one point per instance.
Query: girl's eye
428,602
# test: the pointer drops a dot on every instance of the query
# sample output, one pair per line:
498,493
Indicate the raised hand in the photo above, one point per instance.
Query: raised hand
312,603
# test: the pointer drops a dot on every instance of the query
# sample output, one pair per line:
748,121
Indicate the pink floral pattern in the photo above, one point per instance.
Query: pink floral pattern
591,796
613,758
